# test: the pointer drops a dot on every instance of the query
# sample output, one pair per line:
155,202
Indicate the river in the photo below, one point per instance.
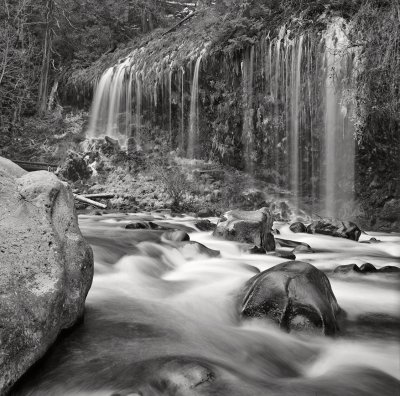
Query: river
159,322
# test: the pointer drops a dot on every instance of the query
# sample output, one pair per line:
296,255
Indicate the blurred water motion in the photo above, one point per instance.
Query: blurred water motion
159,324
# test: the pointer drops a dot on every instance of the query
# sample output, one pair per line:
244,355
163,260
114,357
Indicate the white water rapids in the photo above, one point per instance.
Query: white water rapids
157,322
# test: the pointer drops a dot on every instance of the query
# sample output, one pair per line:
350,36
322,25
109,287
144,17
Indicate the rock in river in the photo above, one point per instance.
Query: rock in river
295,295
46,267
336,228
297,227
252,227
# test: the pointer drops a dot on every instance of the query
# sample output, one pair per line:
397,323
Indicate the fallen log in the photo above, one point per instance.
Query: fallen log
35,166
89,201
99,196
180,23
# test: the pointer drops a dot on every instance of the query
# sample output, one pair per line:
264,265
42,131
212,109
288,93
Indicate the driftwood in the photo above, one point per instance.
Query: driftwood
88,201
35,166
180,23
99,196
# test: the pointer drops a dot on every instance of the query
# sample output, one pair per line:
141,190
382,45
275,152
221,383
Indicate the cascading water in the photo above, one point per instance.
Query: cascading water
162,320
248,114
296,118
308,77
339,141
194,112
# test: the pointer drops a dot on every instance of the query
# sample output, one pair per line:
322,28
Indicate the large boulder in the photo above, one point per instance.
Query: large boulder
46,268
336,228
295,295
252,227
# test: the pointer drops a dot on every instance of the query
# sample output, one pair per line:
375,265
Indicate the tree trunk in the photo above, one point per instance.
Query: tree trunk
47,47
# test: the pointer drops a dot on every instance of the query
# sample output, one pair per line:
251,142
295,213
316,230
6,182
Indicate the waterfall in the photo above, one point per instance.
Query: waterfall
138,108
248,114
100,103
338,141
194,112
182,142
294,120
307,77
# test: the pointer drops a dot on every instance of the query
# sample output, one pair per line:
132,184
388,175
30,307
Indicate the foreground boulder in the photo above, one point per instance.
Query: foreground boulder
336,228
46,268
252,227
295,295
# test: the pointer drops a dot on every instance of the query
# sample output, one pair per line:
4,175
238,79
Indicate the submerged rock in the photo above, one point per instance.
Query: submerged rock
347,269
252,227
298,227
295,295
285,254
191,250
298,247
336,228
175,236
371,240
46,268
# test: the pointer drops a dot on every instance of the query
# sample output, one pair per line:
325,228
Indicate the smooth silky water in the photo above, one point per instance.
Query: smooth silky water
159,324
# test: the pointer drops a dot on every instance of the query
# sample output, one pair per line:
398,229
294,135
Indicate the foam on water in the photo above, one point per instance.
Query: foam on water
149,305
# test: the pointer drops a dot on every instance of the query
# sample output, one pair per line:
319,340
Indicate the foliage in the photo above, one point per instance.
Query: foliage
174,180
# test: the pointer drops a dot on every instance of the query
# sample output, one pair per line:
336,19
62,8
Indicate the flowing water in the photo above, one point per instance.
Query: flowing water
296,107
160,322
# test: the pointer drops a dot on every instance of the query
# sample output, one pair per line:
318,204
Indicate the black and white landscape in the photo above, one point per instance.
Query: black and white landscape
199,198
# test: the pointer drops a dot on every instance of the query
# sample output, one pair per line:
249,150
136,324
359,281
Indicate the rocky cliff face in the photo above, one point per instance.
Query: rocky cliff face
46,267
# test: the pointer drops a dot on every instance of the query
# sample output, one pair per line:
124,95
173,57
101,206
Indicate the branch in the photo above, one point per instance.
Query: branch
180,23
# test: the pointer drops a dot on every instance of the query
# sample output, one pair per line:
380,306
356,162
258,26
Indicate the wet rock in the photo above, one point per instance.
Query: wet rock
371,240
295,295
285,255
303,248
298,227
367,268
252,227
205,225
347,269
175,236
336,228
256,250
182,377
389,269
156,226
191,250
46,268
137,225
299,247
